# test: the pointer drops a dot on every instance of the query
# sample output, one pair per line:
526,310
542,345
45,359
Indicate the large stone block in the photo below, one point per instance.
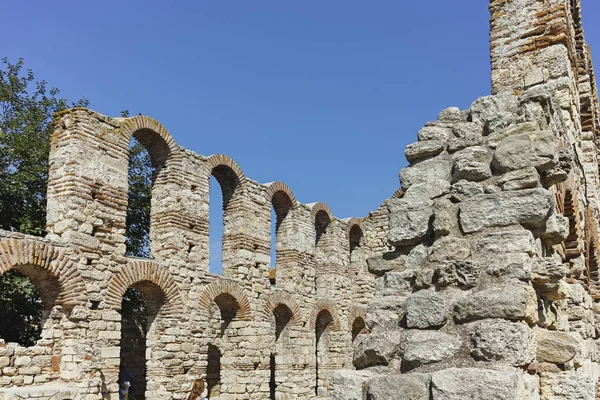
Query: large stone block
556,347
437,168
350,385
513,302
529,149
427,190
427,148
399,387
504,341
471,164
475,384
509,240
530,207
567,386
425,309
429,346
377,348
409,221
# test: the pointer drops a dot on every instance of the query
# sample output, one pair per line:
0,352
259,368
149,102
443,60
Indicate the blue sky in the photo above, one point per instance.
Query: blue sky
323,95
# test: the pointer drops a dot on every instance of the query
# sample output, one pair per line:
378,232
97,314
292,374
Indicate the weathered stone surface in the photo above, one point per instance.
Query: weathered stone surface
428,346
427,190
450,114
475,383
423,149
459,273
350,384
465,134
464,189
556,347
425,309
509,240
449,248
530,207
413,386
531,149
409,221
513,302
384,312
504,341
437,168
471,164
434,133
445,221
378,348
556,229
380,265
567,386
526,178
509,265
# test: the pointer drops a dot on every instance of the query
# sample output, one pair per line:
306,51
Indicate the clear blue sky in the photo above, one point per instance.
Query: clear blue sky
323,95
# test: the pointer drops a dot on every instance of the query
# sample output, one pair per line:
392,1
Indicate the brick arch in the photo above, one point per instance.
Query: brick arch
321,305
222,286
218,160
316,207
274,187
276,298
140,271
355,312
22,253
352,222
156,139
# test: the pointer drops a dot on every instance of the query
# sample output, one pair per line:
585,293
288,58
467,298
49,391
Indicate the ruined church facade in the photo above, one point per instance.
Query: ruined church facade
478,277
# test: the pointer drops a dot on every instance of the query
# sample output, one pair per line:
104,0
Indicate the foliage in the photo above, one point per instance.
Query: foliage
140,196
26,110
20,309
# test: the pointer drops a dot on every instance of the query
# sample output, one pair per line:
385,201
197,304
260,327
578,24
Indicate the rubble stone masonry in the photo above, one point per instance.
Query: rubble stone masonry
477,279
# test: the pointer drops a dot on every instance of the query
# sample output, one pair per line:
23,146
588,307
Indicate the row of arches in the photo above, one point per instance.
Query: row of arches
228,179
144,293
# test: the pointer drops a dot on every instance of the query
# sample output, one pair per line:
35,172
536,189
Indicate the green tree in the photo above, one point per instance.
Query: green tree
20,309
26,110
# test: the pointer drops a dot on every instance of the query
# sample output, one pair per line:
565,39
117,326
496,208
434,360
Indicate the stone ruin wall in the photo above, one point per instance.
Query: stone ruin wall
81,271
477,279
492,290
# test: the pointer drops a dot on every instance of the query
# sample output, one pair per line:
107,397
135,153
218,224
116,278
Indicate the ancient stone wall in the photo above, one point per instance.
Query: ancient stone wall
249,332
492,289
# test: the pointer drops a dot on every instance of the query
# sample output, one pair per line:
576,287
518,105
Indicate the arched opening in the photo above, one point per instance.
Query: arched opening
356,237
322,221
228,308
323,321
282,315
280,229
27,295
223,184
139,308
358,327
140,177
213,372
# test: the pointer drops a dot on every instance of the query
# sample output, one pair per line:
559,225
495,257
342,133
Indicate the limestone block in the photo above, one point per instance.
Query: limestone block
548,269
399,387
429,346
22,361
471,164
425,309
510,240
458,273
450,114
409,221
379,265
433,169
567,386
449,248
556,229
434,133
384,312
377,348
513,302
556,347
464,189
445,221
530,207
475,383
427,190
465,134
504,341
508,265
350,385
530,149
423,149
525,178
